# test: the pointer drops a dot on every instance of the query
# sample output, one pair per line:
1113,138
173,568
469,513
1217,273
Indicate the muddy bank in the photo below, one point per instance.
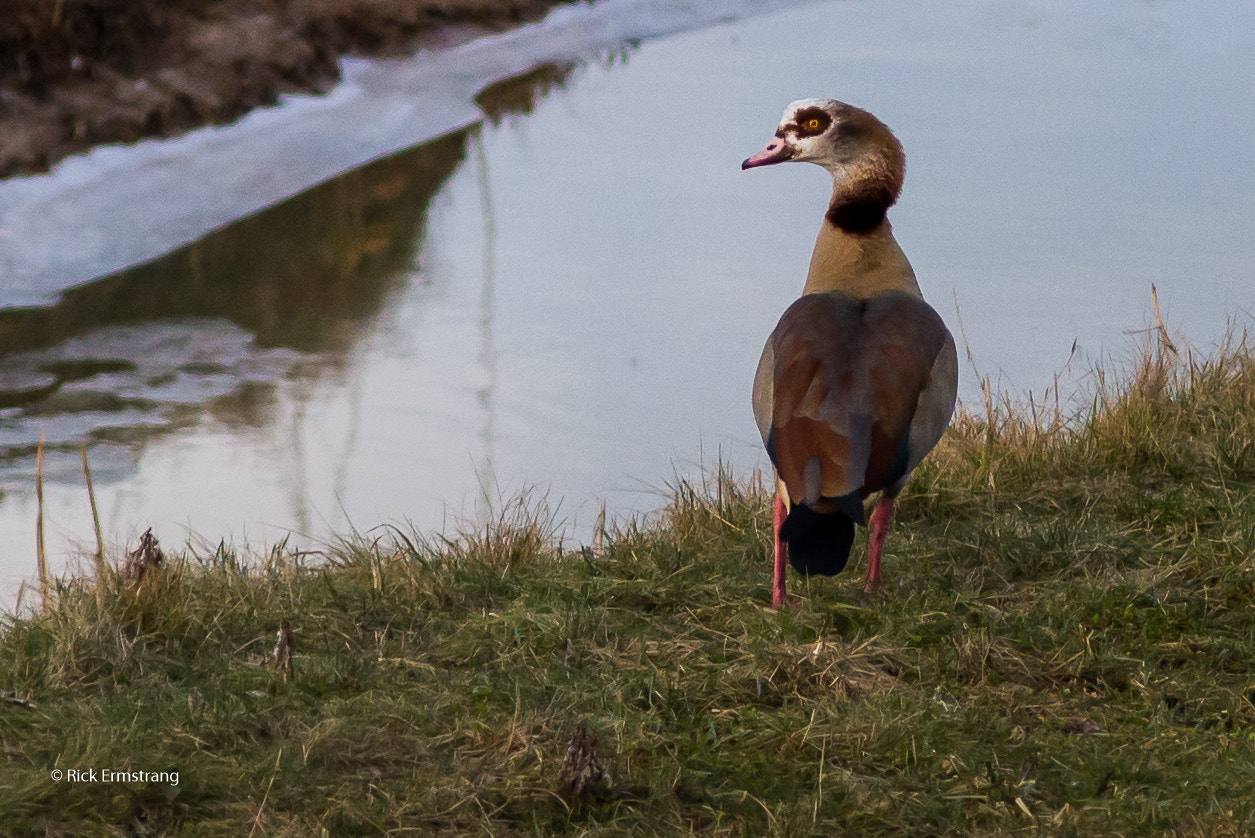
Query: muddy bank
76,73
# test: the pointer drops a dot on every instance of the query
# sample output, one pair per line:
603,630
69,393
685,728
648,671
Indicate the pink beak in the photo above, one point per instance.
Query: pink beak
776,151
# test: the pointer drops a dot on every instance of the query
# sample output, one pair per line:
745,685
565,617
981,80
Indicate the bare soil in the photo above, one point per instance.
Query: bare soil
76,73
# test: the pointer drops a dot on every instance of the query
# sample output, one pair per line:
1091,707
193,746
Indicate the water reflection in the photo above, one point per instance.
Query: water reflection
284,293
241,327
513,96
519,95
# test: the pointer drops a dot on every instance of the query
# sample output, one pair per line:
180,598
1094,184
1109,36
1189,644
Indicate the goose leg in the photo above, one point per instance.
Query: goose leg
777,587
880,528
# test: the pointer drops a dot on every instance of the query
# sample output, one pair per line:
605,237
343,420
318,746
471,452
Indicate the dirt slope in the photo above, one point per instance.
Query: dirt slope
75,73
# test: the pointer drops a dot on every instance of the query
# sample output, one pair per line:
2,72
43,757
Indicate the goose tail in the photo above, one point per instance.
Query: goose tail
819,542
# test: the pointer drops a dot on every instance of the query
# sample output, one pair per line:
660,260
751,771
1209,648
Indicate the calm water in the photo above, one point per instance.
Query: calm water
571,294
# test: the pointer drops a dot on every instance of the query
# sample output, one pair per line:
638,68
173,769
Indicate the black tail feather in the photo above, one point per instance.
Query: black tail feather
819,543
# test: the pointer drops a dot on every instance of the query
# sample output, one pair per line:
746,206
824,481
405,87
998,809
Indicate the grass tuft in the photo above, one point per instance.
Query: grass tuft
1064,649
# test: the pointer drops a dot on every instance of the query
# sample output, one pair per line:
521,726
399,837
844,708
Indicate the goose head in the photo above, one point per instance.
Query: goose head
861,153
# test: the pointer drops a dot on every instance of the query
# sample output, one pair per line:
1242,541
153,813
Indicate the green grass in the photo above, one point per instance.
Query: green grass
1065,646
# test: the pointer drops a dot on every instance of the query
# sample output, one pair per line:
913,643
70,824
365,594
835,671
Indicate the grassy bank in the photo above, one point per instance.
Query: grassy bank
1065,647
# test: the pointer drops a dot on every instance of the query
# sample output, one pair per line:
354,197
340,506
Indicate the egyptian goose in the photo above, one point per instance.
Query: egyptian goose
857,382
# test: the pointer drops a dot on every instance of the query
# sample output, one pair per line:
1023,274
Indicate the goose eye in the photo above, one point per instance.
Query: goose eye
812,124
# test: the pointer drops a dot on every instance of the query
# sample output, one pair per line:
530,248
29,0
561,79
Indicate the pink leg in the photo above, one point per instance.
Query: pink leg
777,520
880,528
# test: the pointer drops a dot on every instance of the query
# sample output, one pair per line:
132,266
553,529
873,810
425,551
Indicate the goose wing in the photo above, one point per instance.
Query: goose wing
851,393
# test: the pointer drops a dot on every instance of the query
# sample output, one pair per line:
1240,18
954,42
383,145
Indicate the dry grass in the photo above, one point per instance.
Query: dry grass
1064,649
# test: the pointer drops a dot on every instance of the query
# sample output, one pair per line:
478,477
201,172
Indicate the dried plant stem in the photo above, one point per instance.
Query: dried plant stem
40,552
283,650
599,532
101,569
1165,341
262,806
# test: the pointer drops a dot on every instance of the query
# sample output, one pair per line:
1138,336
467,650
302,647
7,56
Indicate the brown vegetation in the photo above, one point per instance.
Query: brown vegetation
75,73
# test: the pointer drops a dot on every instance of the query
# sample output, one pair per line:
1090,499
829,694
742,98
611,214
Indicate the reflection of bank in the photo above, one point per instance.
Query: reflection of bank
300,274
518,95
214,325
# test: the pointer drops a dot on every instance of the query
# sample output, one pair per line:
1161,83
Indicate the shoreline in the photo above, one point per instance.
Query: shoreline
116,206
101,74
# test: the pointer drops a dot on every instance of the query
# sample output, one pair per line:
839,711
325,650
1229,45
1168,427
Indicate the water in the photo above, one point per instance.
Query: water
571,296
